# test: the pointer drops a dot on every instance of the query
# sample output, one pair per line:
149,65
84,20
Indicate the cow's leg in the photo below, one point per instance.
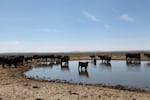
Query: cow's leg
22,62
46,60
3,65
15,64
81,67
85,67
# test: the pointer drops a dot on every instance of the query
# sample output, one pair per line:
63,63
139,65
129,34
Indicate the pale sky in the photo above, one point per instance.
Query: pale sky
74,25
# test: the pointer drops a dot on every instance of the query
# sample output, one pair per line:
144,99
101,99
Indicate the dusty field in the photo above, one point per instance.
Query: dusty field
13,86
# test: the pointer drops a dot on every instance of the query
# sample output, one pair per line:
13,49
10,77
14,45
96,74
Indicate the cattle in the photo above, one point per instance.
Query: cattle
19,59
148,56
11,60
135,57
2,61
106,59
83,64
39,57
28,58
92,57
64,59
57,57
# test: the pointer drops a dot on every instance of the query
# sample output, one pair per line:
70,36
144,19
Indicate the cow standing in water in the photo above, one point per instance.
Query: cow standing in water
83,64
106,59
133,58
65,59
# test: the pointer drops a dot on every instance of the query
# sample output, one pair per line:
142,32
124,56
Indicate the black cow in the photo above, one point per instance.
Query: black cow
136,57
11,60
65,59
2,61
107,59
92,57
147,54
28,58
83,64
133,55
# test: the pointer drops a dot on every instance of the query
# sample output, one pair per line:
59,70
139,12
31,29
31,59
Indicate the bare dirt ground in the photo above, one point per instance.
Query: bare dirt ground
13,86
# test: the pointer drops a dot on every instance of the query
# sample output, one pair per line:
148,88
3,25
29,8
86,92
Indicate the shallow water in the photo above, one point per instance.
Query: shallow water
115,73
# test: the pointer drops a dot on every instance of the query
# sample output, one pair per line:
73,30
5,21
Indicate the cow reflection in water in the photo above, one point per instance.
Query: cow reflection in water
106,64
136,63
81,71
65,66
134,66
147,66
43,64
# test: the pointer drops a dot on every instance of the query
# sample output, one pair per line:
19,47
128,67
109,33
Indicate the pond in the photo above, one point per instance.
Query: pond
115,73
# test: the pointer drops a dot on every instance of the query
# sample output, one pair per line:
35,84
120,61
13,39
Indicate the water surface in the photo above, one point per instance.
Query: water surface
115,73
